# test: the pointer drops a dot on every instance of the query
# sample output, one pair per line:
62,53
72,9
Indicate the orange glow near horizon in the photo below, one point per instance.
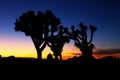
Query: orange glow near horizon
17,47
25,48
25,52
98,56
21,48
67,52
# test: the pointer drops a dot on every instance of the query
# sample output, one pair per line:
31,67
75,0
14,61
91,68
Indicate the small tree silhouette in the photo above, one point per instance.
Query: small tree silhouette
57,39
80,38
37,27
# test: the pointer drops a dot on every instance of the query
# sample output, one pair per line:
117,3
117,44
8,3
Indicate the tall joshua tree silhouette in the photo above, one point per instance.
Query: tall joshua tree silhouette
80,38
37,27
57,39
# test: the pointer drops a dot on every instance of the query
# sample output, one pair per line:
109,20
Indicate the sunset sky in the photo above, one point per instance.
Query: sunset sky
104,14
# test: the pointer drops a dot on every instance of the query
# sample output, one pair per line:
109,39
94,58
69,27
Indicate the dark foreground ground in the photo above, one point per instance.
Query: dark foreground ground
72,61
77,66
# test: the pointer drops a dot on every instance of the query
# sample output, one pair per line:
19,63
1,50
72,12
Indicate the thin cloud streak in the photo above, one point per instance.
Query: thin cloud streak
107,51
76,54
101,51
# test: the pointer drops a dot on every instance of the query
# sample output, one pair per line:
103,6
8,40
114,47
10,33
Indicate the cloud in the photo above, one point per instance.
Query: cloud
107,51
76,54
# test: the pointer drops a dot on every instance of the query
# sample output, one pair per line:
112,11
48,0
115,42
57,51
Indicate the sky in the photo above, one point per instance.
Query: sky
103,14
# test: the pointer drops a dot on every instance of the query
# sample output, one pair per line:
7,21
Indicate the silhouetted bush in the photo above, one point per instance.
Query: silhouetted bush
49,57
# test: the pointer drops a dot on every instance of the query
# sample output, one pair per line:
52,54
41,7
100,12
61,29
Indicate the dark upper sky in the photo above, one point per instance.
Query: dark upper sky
104,14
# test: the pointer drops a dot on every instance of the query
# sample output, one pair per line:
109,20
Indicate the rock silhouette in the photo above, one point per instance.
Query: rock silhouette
49,57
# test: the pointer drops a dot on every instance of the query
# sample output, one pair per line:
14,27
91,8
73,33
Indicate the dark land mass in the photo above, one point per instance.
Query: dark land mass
31,66
72,61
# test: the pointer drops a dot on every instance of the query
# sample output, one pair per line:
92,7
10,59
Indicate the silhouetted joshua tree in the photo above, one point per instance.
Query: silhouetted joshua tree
80,38
37,27
57,39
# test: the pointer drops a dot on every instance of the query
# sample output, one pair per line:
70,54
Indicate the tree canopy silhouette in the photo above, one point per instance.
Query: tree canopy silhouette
45,29
37,27
57,39
80,38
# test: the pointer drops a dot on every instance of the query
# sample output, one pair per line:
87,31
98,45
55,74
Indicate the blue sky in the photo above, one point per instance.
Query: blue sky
103,14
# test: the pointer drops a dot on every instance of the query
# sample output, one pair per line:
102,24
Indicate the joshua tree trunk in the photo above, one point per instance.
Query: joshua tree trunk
87,54
39,49
39,54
